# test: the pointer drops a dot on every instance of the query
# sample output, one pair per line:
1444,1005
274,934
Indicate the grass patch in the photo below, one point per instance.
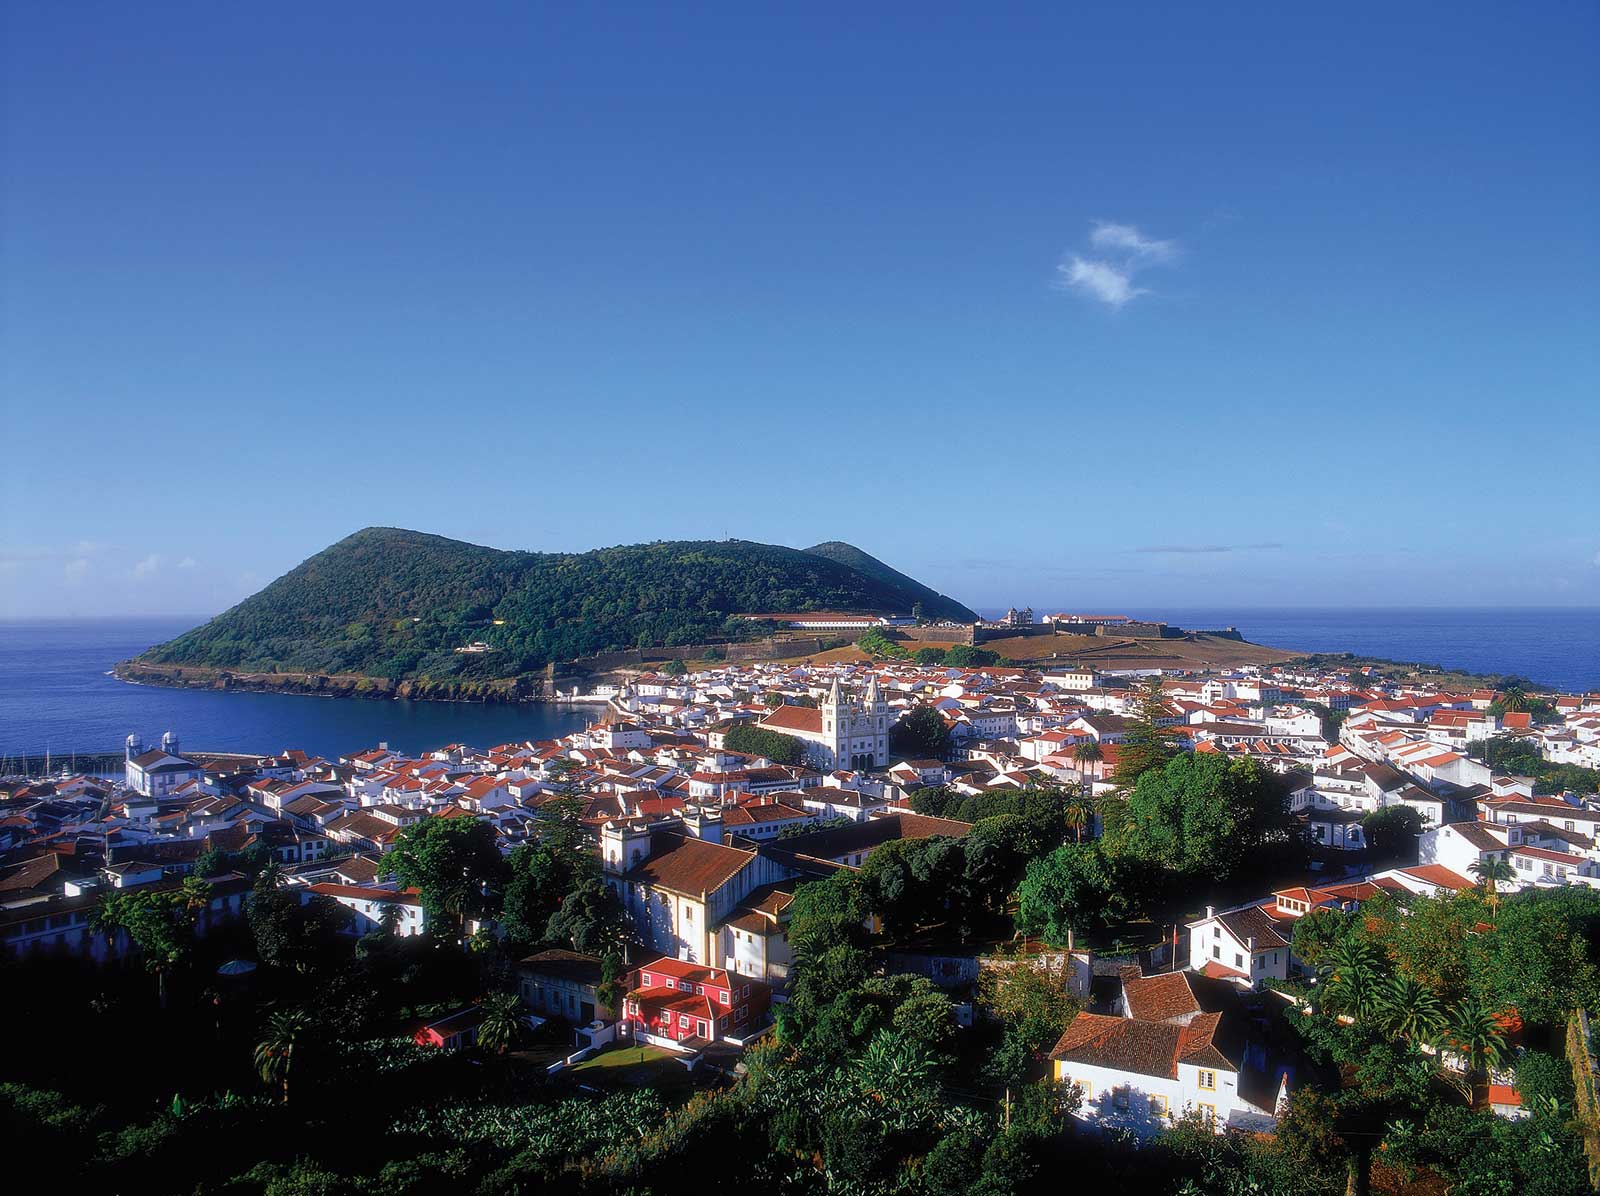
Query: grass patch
619,1067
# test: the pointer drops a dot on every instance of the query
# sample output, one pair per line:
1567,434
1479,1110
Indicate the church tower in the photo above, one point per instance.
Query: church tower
835,725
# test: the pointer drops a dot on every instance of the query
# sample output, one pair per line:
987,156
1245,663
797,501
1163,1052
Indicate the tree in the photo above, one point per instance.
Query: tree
1352,977
1202,816
1089,752
1145,746
928,656
1391,833
1033,1009
1077,815
1408,1010
613,986
591,918
1540,959
1474,1033
501,1025
914,882
287,933
452,862
1492,872
1065,893
158,923
210,862
543,874
760,741
274,1057
921,735
674,668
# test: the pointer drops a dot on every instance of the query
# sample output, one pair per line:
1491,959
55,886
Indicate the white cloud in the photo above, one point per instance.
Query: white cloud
75,571
188,562
1122,251
1099,280
1597,560
148,567
1124,238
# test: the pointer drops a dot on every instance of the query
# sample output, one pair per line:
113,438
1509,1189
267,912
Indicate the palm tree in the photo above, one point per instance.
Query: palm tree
1513,698
1088,752
1492,872
1475,1033
275,1053
1411,1011
1352,978
1076,815
501,1025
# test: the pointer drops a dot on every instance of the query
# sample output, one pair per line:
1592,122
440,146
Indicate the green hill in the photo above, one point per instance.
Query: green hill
387,602
934,604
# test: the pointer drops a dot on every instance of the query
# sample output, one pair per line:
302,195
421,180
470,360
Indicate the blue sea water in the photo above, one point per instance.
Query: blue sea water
55,694
55,691
1557,647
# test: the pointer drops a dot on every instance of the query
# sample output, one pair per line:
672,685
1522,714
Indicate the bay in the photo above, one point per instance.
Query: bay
56,694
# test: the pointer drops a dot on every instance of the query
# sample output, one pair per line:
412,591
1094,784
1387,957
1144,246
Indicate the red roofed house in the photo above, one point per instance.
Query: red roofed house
685,1004
1183,1048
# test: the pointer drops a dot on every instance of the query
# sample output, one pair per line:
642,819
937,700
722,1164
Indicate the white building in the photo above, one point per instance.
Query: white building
1182,1049
841,732
159,771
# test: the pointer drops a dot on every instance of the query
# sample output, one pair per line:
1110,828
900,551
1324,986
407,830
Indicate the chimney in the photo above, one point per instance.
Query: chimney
1211,911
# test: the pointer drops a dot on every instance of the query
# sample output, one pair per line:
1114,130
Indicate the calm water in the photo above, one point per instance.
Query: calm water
55,694
1553,647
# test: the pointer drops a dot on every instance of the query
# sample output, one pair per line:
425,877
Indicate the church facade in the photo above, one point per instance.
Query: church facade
843,732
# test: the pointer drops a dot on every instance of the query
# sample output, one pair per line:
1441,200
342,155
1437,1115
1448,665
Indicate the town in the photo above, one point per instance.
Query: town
866,908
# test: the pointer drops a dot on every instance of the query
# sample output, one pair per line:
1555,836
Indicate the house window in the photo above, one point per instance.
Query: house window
1158,1106
648,979
1085,1087
1216,932
723,996
1216,952
1209,1113
1119,1097
1208,1081
1238,960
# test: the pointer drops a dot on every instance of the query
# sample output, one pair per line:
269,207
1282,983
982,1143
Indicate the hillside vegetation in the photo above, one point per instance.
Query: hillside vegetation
387,602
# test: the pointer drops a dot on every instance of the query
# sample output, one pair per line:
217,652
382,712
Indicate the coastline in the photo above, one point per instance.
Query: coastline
500,691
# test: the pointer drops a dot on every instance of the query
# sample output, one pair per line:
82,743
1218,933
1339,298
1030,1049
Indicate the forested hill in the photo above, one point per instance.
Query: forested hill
387,602
934,604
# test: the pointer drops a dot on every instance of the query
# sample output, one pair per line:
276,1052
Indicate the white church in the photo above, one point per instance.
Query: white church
841,732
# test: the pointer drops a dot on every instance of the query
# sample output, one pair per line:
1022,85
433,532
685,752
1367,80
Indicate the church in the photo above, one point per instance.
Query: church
841,732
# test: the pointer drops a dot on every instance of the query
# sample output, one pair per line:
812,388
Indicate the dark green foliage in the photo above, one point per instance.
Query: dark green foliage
761,741
965,656
920,735
925,602
1519,757
880,647
1542,1078
1203,817
591,919
452,861
1391,832
392,603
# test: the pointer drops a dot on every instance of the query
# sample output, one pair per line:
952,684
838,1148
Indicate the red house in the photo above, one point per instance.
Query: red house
690,1004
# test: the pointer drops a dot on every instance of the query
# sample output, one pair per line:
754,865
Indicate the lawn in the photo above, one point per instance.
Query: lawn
631,1067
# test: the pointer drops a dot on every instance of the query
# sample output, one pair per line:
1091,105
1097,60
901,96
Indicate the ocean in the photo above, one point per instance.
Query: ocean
56,694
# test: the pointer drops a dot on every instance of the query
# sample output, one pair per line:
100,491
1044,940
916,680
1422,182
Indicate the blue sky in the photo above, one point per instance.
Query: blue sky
1077,305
